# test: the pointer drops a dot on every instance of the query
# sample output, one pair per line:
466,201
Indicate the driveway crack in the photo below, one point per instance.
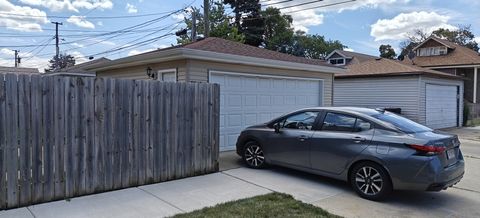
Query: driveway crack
165,201
466,189
236,177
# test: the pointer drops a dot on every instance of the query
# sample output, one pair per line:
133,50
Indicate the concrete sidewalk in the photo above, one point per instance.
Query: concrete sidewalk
157,200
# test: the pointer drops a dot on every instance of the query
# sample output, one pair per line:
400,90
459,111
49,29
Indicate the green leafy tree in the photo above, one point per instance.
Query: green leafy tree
248,19
219,25
462,36
278,31
386,51
313,46
63,61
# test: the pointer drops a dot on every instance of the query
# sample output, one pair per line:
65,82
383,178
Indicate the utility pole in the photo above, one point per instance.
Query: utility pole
56,42
16,57
194,25
206,15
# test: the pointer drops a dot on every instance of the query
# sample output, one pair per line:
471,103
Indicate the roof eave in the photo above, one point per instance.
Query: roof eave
185,53
262,62
432,38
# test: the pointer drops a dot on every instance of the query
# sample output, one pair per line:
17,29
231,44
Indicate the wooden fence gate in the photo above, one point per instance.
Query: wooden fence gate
62,137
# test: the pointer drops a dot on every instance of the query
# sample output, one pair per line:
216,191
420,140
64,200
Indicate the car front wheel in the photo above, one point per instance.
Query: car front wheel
370,181
253,155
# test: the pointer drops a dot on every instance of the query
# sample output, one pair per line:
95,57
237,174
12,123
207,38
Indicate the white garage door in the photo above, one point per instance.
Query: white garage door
441,103
247,100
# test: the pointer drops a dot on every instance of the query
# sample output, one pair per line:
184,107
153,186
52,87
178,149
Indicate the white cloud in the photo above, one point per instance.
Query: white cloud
301,21
24,19
78,45
131,9
70,5
6,51
79,57
348,49
80,21
135,51
401,25
477,39
99,23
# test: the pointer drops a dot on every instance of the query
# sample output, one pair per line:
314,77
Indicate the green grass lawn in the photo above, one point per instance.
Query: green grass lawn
270,205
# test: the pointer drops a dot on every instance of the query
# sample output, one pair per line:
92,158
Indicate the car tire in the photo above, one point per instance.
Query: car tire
253,155
370,180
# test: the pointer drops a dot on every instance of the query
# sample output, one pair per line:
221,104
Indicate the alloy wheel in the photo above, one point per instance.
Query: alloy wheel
254,156
368,180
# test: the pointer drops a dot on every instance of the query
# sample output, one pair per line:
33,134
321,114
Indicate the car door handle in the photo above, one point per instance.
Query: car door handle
302,138
358,139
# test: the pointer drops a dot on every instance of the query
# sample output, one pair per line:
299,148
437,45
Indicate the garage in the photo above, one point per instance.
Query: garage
249,99
428,97
441,106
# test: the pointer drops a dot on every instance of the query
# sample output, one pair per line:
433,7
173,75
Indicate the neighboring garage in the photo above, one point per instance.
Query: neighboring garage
255,84
426,96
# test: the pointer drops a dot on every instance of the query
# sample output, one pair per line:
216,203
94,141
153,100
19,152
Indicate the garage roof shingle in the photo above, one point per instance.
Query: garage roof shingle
387,67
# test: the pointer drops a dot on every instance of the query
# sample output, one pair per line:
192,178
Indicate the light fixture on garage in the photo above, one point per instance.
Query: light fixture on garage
151,74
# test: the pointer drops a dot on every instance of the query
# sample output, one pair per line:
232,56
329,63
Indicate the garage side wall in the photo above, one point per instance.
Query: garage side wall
424,80
398,92
139,71
199,72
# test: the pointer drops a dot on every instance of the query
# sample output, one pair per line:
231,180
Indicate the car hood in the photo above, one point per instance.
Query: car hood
263,125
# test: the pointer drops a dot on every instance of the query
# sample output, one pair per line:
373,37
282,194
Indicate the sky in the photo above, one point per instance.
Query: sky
118,28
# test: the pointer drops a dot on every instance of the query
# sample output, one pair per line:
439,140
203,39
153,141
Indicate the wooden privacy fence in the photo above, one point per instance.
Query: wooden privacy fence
62,137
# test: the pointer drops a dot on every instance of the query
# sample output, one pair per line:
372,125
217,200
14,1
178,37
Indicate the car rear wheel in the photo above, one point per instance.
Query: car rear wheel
370,181
253,155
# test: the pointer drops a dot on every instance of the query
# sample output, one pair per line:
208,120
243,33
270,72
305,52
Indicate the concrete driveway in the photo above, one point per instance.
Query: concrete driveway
463,200
235,181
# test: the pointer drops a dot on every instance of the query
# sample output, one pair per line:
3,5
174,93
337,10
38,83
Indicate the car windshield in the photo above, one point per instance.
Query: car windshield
401,123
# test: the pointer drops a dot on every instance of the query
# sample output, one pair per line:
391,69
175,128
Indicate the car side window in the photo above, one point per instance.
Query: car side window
304,120
362,125
344,123
338,122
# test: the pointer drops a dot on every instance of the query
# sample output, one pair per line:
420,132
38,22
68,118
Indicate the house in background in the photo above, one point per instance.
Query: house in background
426,96
345,58
19,70
256,84
442,55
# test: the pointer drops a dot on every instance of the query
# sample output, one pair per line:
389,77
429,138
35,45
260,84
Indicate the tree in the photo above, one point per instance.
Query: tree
278,31
386,51
248,20
219,25
63,61
462,36
313,46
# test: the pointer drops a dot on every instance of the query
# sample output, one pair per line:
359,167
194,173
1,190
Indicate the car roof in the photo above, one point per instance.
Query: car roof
355,110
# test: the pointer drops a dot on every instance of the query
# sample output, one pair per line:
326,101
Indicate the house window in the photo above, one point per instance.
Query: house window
337,61
432,51
167,75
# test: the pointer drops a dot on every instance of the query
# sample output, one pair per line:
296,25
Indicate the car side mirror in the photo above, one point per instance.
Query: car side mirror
276,127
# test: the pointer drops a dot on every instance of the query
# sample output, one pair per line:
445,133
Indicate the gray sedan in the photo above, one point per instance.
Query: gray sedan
376,151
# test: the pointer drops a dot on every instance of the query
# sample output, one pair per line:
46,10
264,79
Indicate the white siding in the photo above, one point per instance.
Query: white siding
396,91
424,80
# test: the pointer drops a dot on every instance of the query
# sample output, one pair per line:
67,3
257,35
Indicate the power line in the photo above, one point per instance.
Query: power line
114,33
92,17
301,4
320,6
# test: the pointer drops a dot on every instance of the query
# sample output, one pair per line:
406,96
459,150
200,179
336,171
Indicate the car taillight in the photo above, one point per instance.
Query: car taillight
428,149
